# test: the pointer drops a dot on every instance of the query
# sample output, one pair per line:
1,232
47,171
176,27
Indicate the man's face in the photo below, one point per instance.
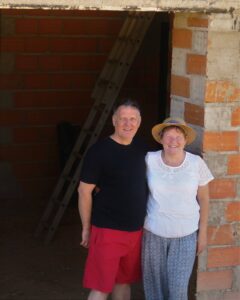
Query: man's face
126,121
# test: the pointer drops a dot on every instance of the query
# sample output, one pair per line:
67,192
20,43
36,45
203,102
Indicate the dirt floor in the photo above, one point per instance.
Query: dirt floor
31,270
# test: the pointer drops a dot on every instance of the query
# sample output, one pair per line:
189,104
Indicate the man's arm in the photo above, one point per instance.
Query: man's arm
203,200
85,209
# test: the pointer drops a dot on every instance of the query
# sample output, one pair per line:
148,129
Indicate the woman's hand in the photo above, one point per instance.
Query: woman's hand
202,242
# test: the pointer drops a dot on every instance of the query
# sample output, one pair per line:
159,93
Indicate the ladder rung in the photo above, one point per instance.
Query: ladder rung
77,154
67,178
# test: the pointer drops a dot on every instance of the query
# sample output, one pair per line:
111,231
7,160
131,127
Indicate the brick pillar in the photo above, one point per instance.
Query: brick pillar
189,71
220,272
205,91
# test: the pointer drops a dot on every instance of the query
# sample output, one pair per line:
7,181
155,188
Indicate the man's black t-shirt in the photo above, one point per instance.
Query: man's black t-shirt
119,172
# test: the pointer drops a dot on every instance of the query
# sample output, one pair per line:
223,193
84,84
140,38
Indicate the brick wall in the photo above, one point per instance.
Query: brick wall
205,91
221,143
49,62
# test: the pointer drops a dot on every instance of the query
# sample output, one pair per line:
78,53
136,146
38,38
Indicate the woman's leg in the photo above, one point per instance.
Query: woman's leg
154,265
181,257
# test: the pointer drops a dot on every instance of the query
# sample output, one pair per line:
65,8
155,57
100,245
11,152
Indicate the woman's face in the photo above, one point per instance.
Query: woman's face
173,140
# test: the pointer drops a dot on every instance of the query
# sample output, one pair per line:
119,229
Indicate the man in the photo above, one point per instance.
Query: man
112,205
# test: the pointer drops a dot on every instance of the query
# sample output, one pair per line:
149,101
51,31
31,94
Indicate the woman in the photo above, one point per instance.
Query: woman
177,214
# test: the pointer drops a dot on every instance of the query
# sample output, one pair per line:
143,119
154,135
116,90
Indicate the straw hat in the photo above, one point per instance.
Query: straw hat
189,132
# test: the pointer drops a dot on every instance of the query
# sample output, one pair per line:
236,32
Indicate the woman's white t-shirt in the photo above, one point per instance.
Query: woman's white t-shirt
173,209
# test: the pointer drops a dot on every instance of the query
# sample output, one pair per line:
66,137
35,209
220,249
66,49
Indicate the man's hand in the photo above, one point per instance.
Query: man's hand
85,209
85,238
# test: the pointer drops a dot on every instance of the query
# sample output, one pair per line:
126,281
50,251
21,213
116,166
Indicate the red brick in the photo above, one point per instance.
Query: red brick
222,91
43,117
12,44
236,117
73,45
68,81
26,26
220,235
83,62
50,63
26,62
222,188
50,26
37,188
91,27
196,64
180,86
36,44
182,38
223,257
234,164
194,114
36,169
28,153
79,13
214,280
197,22
11,12
50,117
11,81
220,141
233,212
10,117
54,99
104,45
34,134
37,81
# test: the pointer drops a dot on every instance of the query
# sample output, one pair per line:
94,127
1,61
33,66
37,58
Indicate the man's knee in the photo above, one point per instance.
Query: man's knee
97,295
121,292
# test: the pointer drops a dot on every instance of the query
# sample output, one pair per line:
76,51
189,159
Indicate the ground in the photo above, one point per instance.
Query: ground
31,270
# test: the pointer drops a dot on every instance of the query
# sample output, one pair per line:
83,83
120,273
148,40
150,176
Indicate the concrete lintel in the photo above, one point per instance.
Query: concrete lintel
141,5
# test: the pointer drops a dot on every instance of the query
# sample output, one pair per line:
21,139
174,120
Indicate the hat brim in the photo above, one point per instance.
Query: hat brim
189,132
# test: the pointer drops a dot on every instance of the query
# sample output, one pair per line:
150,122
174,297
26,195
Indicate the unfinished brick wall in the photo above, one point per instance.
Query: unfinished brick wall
49,63
206,92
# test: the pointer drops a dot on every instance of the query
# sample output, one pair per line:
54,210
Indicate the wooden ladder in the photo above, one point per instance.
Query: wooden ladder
104,93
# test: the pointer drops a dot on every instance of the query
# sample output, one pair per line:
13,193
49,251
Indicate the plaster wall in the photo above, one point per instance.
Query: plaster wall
144,5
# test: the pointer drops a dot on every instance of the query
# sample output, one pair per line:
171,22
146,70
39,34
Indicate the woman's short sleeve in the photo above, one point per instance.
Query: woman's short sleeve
205,175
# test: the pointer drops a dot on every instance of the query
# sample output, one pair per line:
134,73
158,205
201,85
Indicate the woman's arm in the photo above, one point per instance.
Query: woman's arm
203,200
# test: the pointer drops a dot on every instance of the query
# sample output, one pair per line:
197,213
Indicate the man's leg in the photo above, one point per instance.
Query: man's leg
121,292
97,295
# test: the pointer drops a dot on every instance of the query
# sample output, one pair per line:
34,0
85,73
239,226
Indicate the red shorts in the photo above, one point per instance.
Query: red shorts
114,256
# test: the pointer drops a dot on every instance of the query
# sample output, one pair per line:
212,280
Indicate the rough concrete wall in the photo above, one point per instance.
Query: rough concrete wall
219,276
187,5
